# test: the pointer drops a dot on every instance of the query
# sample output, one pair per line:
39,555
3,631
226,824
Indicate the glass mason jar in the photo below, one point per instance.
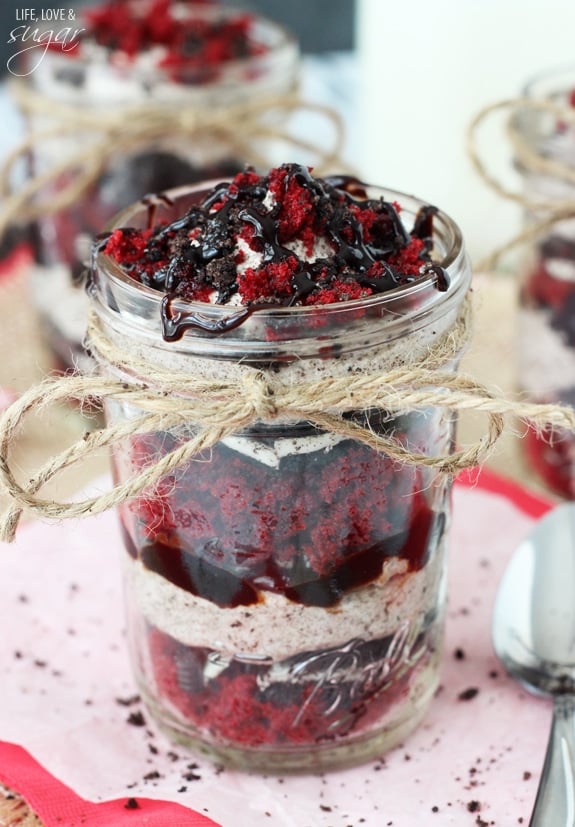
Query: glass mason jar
286,590
94,85
546,315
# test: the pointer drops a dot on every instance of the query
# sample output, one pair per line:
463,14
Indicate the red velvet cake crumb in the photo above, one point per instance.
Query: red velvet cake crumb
127,246
185,40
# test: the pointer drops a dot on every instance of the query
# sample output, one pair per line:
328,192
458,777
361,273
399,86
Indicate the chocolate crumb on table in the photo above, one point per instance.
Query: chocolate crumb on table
136,719
468,694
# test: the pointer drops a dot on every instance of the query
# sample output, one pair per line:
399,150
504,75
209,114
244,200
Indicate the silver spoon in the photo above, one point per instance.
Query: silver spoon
534,637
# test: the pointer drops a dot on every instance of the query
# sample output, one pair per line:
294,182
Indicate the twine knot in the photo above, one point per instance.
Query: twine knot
262,398
205,411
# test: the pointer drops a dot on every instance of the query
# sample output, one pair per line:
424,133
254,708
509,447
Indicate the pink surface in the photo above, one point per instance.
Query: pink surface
67,687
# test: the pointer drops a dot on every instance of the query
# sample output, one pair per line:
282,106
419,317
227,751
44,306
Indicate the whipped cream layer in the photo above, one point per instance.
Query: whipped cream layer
276,628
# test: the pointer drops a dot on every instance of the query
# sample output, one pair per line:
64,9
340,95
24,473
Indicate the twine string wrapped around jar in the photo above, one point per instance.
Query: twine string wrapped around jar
119,130
218,409
550,210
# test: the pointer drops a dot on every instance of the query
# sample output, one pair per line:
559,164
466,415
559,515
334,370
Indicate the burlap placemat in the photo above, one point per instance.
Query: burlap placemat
14,812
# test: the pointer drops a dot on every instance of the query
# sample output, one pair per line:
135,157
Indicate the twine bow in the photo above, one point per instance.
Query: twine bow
529,160
212,410
107,131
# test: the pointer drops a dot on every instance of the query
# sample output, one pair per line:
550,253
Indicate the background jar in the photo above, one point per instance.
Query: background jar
286,590
546,315
93,87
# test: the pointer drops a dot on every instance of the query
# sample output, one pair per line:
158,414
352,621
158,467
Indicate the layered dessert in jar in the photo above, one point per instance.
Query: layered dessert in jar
547,292
286,587
138,62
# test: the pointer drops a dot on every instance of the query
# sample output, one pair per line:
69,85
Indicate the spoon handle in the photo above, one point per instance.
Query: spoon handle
555,801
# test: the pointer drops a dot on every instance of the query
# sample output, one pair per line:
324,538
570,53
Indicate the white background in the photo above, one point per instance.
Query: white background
425,68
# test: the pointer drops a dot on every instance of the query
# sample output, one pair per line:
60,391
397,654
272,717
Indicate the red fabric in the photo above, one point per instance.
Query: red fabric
57,806
19,257
535,505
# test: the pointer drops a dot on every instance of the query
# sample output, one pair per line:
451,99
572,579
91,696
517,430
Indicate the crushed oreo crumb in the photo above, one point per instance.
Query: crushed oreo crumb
136,719
468,694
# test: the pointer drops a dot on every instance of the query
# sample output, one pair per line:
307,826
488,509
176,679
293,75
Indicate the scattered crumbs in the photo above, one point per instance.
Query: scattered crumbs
131,804
407,757
480,822
151,776
136,719
191,776
473,806
40,663
468,694
18,654
22,598
74,587
133,699
182,789
88,702
459,654
153,749
526,775
494,673
324,808
520,820
173,756
435,809
269,815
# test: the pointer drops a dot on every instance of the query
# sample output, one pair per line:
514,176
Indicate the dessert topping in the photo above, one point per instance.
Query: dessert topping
183,39
285,239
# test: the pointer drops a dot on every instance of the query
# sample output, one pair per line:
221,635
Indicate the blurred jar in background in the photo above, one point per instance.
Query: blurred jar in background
546,347
119,98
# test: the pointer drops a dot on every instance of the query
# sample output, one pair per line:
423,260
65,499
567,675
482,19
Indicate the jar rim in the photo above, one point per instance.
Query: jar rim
122,218
116,294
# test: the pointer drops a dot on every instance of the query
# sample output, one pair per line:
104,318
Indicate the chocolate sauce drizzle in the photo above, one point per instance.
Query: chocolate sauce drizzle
198,250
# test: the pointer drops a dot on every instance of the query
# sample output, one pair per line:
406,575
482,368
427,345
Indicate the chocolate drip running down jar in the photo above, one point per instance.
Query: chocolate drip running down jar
546,343
151,56
285,589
